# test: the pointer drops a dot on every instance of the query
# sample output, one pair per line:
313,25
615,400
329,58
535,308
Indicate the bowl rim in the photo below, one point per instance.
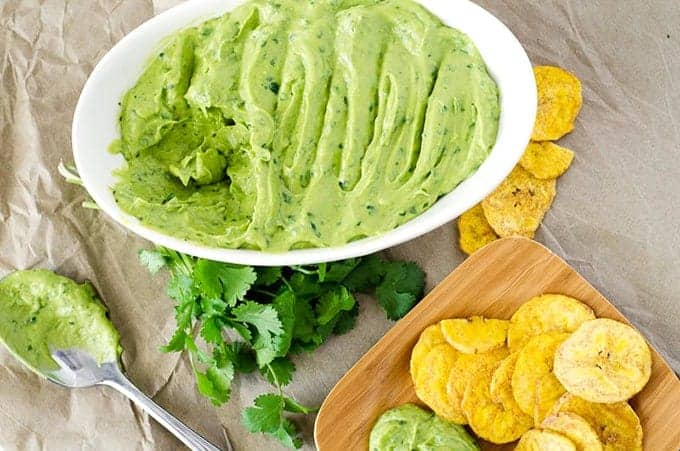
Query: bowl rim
511,139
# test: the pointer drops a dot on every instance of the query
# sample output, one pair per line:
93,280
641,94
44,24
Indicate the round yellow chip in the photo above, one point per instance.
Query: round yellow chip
500,386
475,334
474,231
518,205
432,380
559,102
616,424
546,160
546,313
469,366
429,338
490,420
548,392
575,428
534,362
538,440
604,361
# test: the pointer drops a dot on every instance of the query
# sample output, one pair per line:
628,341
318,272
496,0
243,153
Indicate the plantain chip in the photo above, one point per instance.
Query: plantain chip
500,386
429,338
432,380
548,392
468,367
616,424
474,231
604,361
491,420
575,428
534,362
559,102
546,313
540,440
518,205
475,334
546,160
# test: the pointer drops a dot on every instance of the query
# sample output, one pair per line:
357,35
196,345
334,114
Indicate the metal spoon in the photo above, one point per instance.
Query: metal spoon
80,370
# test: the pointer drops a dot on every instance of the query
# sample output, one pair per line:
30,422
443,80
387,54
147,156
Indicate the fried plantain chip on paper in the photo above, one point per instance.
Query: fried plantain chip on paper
474,231
559,102
518,205
546,160
604,361
546,313
475,334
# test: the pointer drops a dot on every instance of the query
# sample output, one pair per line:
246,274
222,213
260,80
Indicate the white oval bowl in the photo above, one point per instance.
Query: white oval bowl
95,126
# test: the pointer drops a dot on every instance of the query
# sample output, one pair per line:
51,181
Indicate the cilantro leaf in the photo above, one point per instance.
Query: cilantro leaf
211,331
153,260
346,320
305,322
212,307
305,286
221,280
266,322
263,317
176,343
182,289
215,383
241,356
288,435
279,371
400,289
366,275
337,271
284,303
266,416
267,275
333,302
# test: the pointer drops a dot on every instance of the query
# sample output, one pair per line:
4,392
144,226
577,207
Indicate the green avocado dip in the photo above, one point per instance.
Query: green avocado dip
303,123
410,428
40,311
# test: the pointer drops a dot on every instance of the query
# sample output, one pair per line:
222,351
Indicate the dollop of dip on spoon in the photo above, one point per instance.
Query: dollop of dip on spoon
41,311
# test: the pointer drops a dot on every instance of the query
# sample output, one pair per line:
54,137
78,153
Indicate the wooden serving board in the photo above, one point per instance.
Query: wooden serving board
493,282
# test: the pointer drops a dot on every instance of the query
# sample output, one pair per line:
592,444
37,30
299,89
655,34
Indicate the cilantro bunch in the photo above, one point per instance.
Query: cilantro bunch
239,319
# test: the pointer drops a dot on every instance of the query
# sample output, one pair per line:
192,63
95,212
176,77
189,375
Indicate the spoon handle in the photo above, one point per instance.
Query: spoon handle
186,435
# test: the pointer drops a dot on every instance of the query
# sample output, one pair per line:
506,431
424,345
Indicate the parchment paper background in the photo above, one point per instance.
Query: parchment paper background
616,217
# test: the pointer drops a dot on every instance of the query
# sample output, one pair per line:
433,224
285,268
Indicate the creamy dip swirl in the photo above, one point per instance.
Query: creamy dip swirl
303,123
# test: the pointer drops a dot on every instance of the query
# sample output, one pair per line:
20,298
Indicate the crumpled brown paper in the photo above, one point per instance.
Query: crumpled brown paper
616,217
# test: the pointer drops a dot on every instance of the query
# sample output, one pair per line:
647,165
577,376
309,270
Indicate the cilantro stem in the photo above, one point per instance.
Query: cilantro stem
303,270
285,282
276,379
268,293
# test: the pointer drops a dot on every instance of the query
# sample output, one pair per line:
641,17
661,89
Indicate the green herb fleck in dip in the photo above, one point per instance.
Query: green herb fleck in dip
408,428
303,123
40,310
